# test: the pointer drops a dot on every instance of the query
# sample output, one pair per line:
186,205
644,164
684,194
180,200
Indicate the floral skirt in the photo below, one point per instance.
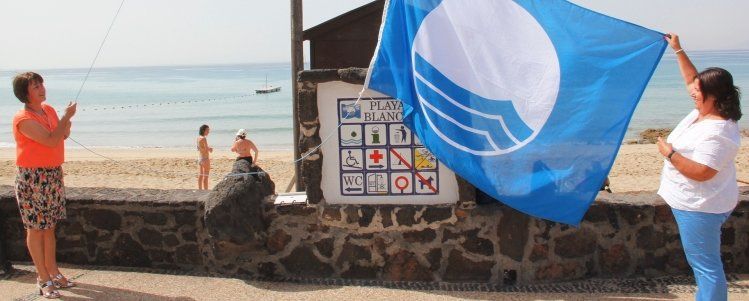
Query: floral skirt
40,194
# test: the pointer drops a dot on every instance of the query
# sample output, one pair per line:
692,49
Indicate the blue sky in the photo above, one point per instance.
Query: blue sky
57,34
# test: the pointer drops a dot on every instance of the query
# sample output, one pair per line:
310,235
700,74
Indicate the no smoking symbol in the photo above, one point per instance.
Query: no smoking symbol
401,183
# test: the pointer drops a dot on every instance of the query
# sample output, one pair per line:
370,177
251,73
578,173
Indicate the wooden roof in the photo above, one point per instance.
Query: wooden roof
374,7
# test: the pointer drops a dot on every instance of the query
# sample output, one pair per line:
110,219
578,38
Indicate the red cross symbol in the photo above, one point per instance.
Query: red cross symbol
376,156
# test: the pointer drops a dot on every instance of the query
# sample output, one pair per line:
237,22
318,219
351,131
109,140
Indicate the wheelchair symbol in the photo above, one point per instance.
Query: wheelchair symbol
351,161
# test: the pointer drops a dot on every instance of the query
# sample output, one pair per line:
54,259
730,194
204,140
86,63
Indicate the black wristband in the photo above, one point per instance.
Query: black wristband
671,154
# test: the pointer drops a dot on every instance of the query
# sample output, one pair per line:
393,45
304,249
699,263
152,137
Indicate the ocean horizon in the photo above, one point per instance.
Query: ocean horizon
163,106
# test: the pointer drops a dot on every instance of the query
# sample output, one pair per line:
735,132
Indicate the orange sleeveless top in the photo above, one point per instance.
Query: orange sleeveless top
32,154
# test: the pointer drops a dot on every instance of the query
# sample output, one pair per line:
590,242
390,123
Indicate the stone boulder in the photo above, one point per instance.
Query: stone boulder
650,136
234,213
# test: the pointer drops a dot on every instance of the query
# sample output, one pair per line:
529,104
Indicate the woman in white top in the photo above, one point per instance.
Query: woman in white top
698,179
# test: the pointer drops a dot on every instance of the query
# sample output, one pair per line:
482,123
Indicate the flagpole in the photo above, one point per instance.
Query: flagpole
297,64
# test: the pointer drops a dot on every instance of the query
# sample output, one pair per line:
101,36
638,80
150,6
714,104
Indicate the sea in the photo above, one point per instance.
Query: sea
163,106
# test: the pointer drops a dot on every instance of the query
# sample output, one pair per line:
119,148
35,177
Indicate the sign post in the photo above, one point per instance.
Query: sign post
297,64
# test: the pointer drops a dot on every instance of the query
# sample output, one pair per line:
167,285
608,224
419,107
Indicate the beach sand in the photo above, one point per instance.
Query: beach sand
637,168
150,167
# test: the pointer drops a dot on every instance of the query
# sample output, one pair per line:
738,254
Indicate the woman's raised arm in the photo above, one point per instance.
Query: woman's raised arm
688,71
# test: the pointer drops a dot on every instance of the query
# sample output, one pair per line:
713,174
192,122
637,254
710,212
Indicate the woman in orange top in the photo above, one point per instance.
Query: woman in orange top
40,152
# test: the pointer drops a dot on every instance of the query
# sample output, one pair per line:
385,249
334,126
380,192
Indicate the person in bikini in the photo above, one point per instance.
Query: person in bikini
204,162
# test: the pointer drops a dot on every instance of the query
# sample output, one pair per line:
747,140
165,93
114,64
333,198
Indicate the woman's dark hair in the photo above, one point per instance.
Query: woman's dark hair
22,82
202,129
718,83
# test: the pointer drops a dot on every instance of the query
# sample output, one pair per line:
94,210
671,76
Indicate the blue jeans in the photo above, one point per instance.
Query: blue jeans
700,237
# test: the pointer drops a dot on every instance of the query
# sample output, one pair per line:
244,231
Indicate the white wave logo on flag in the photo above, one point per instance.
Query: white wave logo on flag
494,91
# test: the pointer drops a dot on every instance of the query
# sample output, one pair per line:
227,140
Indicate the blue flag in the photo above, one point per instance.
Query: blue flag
528,100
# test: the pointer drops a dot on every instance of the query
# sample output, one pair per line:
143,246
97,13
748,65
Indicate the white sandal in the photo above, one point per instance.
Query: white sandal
58,284
49,286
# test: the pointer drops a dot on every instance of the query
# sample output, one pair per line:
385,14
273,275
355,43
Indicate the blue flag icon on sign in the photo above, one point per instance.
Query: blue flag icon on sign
350,111
528,100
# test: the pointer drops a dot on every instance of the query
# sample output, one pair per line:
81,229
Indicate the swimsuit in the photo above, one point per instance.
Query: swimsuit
248,159
200,159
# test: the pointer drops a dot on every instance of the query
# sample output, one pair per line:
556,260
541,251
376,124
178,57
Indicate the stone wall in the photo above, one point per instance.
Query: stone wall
622,235
120,227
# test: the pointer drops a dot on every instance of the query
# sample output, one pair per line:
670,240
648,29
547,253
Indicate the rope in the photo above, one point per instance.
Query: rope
99,51
161,172
91,67
314,149
89,72
93,152
104,108
306,155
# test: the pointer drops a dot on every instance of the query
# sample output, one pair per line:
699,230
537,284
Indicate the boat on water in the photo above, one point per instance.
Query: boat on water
267,88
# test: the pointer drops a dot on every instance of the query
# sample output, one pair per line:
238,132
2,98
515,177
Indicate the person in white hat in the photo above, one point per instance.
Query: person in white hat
244,148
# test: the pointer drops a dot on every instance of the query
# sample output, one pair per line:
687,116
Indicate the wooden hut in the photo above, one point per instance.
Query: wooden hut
348,40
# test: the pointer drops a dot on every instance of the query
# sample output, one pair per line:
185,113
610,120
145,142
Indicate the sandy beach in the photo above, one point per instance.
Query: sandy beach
157,168
637,167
